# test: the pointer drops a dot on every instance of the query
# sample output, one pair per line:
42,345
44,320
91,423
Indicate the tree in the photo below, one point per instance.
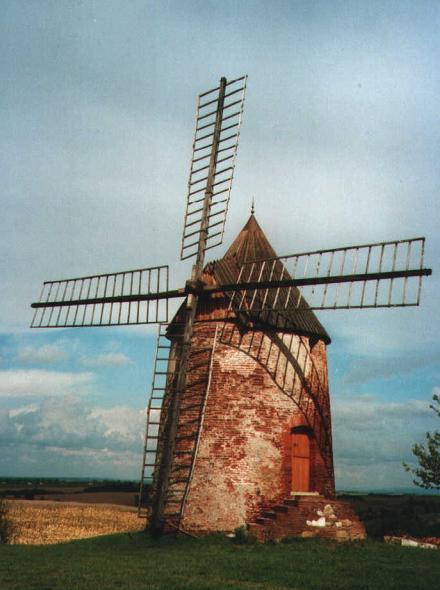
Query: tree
428,455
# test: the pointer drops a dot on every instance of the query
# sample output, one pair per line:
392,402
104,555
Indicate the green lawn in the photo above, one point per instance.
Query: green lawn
139,562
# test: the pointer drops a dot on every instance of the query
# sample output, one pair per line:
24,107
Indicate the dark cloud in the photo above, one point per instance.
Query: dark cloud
387,367
372,437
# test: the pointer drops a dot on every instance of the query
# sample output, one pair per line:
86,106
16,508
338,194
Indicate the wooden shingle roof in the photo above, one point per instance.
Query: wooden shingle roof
252,244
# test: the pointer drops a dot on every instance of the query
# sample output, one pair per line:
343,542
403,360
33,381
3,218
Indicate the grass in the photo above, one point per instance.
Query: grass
136,561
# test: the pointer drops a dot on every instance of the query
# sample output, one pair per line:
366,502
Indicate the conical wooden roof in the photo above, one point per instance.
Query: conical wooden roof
252,244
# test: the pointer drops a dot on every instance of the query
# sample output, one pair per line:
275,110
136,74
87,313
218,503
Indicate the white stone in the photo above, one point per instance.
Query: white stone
427,546
318,523
409,543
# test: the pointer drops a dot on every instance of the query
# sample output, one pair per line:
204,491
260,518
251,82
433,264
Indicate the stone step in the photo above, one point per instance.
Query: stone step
258,531
263,520
281,508
290,517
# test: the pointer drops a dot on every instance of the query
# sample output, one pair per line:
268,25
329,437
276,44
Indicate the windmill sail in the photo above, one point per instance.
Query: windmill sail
384,274
218,120
116,299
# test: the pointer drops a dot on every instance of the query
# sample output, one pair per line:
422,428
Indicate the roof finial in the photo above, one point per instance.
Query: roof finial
253,206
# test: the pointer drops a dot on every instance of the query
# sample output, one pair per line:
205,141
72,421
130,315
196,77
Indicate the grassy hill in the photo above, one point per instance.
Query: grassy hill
137,562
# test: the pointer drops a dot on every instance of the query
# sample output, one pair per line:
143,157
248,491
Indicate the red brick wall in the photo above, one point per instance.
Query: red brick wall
243,461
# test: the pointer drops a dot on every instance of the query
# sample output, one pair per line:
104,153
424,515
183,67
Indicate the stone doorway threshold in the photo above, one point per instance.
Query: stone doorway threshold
305,494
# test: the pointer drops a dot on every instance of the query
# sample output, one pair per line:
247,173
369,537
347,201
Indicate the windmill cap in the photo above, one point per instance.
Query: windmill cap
252,244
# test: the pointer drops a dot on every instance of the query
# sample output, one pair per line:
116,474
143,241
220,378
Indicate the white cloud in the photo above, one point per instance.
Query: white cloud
119,419
68,424
23,410
35,382
109,359
48,353
66,437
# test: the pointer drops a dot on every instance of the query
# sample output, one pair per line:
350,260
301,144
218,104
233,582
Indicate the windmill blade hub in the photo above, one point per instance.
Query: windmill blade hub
195,287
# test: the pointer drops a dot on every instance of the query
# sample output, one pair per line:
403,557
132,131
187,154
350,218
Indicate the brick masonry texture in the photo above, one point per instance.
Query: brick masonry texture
243,460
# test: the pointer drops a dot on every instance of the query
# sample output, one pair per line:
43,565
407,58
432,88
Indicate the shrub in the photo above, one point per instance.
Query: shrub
428,456
242,536
5,522
292,540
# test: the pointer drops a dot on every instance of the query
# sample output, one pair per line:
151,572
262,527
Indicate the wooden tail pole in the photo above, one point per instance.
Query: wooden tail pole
157,521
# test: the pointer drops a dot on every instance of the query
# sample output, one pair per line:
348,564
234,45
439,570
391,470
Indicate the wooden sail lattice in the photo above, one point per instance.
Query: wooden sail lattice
384,274
115,299
221,107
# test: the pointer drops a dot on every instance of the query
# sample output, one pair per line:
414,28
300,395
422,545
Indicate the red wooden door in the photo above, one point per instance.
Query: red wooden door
300,462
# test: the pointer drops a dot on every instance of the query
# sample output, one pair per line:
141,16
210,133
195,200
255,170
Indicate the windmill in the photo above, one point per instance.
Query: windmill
250,301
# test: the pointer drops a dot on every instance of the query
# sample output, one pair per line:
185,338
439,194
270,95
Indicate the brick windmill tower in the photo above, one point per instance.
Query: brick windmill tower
255,414
239,415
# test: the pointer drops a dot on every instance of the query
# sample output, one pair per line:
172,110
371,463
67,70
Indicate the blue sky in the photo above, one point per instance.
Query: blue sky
339,145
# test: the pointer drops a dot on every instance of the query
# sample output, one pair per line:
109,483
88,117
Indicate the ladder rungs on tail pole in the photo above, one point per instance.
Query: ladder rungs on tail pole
190,422
161,376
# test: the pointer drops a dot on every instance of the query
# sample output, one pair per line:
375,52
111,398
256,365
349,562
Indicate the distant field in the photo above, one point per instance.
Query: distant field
119,498
137,562
94,492
44,522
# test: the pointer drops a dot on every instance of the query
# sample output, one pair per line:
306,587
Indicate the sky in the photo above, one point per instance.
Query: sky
339,146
